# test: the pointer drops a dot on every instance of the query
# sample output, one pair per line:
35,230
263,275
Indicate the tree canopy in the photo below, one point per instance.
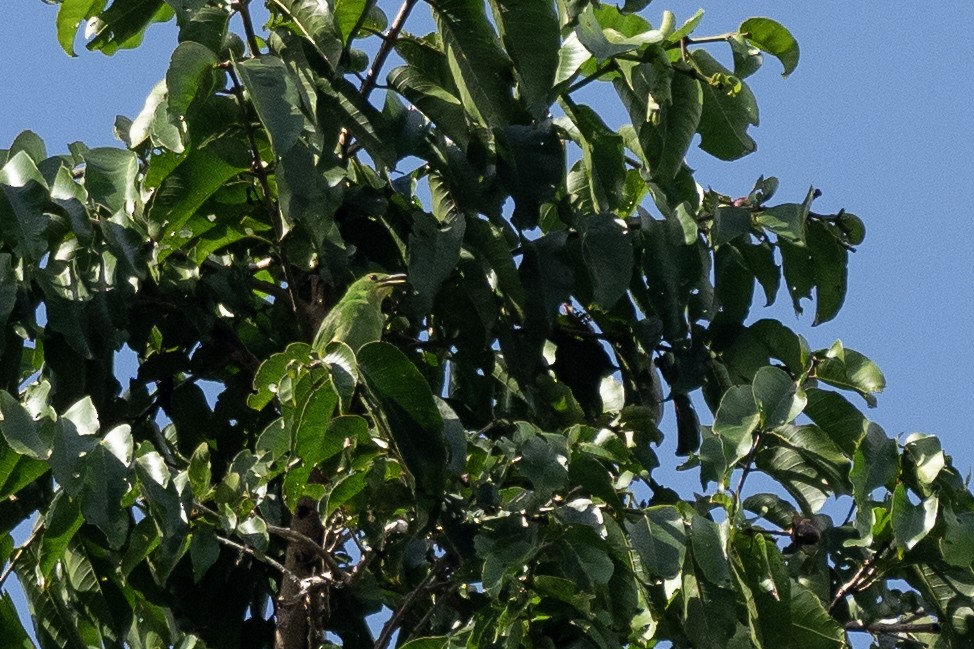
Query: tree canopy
411,318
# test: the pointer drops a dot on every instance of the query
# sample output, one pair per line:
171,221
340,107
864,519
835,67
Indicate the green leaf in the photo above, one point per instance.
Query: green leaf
608,255
836,416
927,455
316,435
61,521
274,92
16,470
733,286
190,185
747,58
786,220
876,464
530,33
778,397
817,629
666,143
69,17
190,75
315,22
660,539
410,410
950,592
830,265
204,550
674,271
110,178
347,14
726,117
605,41
369,126
773,38
729,223
24,199
708,611
602,156
544,459
199,471
434,246
762,572
104,481
123,25
957,543
761,262
851,372
806,463
478,65
911,523
531,164
709,551
153,122
272,370
736,420
437,103
427,643
24,435
772,508
11,629
799,276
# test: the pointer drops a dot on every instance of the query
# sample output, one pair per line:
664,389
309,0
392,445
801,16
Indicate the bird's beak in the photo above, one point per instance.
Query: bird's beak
393,280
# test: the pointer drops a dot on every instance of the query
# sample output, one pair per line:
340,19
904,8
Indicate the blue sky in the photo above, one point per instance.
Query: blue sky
876,116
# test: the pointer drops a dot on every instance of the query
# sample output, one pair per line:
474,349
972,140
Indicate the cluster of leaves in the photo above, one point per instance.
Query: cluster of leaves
485,473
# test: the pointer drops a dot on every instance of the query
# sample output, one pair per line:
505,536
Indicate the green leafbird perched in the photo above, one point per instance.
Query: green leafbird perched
357,319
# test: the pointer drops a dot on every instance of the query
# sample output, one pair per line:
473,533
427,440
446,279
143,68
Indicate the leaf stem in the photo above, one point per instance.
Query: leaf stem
718,38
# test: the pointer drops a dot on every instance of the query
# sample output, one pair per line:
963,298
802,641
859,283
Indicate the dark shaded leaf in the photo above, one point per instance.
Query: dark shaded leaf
530,33
414,420
726,117
275,95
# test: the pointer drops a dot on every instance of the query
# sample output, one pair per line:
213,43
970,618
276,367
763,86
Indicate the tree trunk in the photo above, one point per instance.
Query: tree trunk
296,610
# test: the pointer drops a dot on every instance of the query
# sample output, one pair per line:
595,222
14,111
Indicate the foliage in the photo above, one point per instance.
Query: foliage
475,463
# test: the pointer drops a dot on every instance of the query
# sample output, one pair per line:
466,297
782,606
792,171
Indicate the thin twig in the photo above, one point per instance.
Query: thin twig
387,44
320,552
748,464
608,66
393,623
893,627
249,551
853,584
243,8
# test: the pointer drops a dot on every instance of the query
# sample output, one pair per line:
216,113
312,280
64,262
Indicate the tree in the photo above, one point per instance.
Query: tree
477,468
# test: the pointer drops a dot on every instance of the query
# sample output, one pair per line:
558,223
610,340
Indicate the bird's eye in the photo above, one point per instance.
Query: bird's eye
374,277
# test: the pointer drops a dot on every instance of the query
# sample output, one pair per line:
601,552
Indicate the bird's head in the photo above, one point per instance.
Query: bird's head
379,286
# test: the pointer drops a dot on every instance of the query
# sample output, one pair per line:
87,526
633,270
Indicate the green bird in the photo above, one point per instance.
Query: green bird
357,319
